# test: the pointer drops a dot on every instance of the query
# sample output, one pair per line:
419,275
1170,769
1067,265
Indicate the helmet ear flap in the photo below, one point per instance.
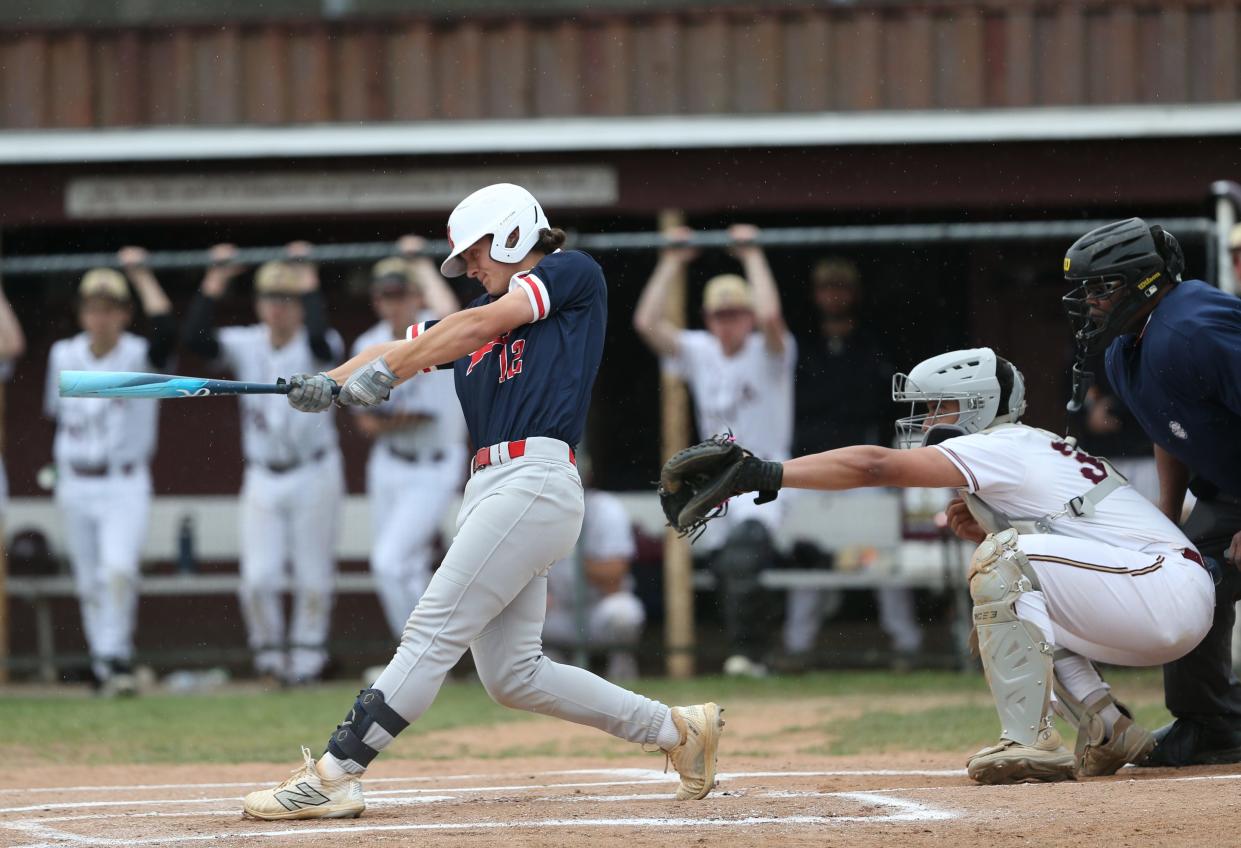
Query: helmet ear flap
1169,250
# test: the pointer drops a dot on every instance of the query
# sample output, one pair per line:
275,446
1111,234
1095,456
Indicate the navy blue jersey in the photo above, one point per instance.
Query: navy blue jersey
1181,379
536,380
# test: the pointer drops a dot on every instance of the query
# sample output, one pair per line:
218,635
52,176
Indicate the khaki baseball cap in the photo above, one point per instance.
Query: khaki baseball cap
391,275
106,283
1234,238
276,279
727,291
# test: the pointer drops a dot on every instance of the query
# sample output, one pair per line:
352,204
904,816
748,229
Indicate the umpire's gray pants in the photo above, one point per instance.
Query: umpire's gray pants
490,595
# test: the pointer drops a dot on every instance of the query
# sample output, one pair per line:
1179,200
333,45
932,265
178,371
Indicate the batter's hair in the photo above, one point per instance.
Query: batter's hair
550,240
1004,376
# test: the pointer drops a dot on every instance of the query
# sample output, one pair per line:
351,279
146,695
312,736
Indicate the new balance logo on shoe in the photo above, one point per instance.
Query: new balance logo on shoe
303,796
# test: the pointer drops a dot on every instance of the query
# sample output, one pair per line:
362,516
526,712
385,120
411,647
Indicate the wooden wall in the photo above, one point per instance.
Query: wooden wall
948,54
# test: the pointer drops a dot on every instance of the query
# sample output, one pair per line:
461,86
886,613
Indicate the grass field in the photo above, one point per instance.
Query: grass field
842,713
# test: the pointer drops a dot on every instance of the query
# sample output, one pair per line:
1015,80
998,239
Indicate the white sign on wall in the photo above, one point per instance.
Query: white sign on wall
328,191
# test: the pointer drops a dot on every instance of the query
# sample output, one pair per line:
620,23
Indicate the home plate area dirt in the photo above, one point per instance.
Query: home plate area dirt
889,800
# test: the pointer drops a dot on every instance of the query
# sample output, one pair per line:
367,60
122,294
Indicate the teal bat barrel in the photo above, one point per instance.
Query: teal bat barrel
131,384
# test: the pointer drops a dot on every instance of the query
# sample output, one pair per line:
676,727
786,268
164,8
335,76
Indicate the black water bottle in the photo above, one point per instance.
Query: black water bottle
186,562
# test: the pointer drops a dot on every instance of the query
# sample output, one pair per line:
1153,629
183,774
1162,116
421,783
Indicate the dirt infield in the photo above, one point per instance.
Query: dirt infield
770,790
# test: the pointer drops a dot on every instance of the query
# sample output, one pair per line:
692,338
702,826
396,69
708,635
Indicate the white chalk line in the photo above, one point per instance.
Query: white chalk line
521,787
903,811
616,772
651,774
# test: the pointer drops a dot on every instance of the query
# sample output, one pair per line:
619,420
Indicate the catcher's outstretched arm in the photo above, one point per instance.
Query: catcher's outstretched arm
867,465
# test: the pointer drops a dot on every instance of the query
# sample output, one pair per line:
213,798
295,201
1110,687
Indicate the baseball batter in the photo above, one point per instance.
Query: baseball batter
419,455
524,357
102,451
740,374
293,484
612,616
1097,572
12,345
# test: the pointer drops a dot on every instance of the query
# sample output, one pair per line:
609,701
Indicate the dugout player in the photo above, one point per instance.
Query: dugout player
524,355
102,451
740,374
12,345
417,462
293,484
1173,357
1097,573
611,615
842,360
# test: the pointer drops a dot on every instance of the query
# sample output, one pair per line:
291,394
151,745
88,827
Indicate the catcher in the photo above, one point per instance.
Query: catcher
1072,566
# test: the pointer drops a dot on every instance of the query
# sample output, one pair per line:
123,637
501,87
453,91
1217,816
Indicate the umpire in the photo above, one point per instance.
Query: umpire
1173,356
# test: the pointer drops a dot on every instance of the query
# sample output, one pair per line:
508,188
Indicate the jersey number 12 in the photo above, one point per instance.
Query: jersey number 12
510,359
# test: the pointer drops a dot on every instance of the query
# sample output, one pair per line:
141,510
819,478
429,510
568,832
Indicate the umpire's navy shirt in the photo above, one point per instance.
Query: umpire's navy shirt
536,380
1181,379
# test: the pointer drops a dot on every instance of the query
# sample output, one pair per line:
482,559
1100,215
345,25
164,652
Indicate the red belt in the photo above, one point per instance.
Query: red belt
516,449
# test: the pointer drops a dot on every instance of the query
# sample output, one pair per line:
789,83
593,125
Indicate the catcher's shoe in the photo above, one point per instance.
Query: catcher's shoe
694,756
307,795
1129,743
1011,762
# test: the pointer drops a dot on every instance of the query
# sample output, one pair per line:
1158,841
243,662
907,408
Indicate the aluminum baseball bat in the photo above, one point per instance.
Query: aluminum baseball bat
134,384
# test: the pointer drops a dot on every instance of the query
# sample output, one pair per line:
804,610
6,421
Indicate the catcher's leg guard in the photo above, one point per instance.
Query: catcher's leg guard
368,729
737,565
1098,752
1016,659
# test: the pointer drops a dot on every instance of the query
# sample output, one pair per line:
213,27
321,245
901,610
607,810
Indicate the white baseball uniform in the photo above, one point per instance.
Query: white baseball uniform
290,504
1122,586
411,478
103,449
615,620
749,393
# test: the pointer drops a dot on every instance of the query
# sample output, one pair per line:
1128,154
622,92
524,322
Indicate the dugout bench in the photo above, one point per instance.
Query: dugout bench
868,518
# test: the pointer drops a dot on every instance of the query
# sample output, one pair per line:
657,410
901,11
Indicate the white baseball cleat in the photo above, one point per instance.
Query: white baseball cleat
307,795
694,756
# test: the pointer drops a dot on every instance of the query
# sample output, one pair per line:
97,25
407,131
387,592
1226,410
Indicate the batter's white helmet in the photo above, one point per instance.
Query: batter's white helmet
977,379
506,212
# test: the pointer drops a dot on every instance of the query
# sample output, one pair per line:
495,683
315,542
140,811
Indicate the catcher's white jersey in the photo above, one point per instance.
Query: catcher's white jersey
96,431
1029,473
272,432
750,393
433,395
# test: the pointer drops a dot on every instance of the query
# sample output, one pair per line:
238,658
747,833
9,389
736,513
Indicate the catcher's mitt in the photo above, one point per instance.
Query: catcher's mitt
696,483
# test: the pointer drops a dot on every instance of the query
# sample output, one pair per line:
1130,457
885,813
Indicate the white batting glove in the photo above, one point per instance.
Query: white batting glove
311,392
368,386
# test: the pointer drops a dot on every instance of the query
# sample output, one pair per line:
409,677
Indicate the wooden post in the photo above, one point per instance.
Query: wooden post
678,565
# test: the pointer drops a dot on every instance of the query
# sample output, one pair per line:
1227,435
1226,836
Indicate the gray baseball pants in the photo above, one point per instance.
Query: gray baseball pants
490,595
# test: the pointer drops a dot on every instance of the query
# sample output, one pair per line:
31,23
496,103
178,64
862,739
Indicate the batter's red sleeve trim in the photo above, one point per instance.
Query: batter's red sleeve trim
960,464
413,331
536,293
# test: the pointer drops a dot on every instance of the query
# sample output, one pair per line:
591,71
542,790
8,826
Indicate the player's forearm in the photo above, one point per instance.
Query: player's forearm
152,297
650,315
844,468
12,339
435,290
449,340
342,372
767,307
1173,481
